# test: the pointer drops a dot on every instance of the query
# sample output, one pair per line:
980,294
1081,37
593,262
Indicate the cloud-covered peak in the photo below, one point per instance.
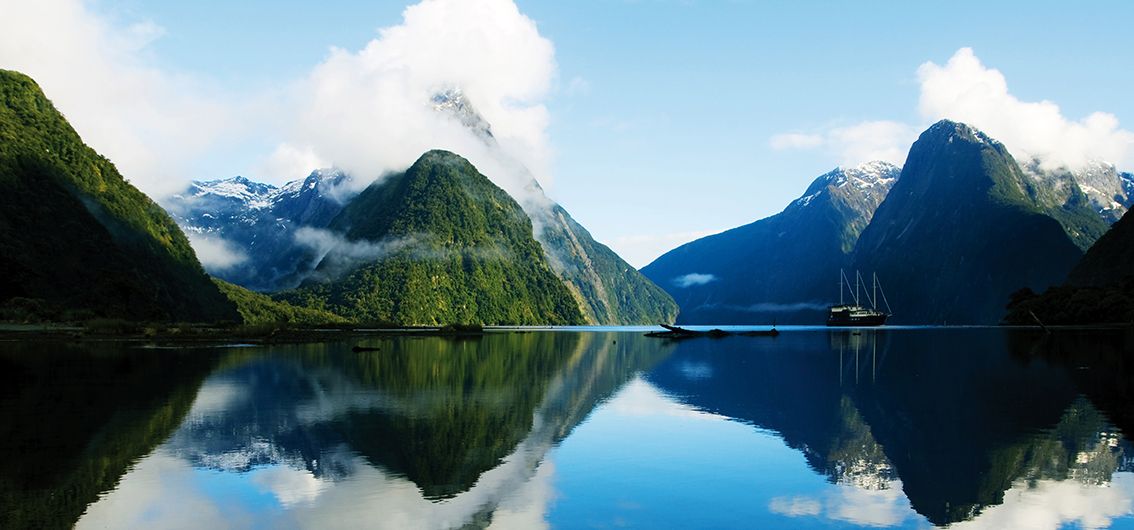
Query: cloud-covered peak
964,89
375,110
968,98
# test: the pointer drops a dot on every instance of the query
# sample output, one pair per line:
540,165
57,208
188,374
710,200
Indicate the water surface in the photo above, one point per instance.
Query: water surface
905,428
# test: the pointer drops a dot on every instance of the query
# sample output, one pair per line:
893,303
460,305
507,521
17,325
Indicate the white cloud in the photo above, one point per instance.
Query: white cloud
868,141
162,499
853,145
967,91
1058,504
337,255
215,253
638,398
151,123
798,506
289,486
883,507
369,111
289,162
693,278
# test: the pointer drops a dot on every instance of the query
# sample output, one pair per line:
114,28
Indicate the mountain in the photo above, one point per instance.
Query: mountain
784,267
1127,180
607,289
76,239
260,309
1099,290
962,228
268,249
1110,260
1097,185
437,244
258,223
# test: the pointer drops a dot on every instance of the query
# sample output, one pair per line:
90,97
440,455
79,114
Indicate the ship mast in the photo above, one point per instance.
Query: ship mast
874,300
857,281
841,286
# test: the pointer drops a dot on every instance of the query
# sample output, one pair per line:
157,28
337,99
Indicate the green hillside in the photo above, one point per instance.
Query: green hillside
257,308
76,237
438,244
609,290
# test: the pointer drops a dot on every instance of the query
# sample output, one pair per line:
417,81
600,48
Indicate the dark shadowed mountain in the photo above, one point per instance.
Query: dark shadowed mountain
784,267
963,227
1110,260
76,239
1099,290
437,244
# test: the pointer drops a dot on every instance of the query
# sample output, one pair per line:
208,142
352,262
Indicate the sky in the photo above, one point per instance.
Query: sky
653,122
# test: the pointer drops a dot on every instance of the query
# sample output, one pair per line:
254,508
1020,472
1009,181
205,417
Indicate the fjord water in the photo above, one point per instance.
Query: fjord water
986,428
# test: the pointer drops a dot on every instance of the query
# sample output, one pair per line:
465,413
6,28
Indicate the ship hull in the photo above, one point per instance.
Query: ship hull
843,315
863,321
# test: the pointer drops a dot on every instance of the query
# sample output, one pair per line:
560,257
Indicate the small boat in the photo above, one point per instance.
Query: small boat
856,314
675,332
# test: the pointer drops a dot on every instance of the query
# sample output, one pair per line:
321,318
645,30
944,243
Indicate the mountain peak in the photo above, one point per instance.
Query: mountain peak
949,130
254,194
452,102
323,180
857,180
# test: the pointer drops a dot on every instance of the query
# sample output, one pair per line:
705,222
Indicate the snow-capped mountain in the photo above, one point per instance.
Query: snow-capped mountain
454,103
1128,188
867,182
254,224
1109,192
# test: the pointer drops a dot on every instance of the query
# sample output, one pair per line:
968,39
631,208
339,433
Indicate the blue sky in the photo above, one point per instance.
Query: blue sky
661,116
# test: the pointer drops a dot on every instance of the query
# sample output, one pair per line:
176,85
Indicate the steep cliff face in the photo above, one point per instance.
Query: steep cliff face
961,229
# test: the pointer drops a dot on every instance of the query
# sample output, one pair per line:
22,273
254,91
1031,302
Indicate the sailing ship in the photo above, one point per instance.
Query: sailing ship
856,314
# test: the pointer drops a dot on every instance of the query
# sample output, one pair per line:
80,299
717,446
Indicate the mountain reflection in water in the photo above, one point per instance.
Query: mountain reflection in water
903,428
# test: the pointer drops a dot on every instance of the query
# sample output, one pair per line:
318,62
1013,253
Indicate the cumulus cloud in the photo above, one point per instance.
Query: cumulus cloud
216,254
1059,504
852,145
370,111
693,278
965,90
150,122
885,507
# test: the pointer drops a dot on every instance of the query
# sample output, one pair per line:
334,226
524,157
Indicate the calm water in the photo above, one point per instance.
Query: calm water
980,428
